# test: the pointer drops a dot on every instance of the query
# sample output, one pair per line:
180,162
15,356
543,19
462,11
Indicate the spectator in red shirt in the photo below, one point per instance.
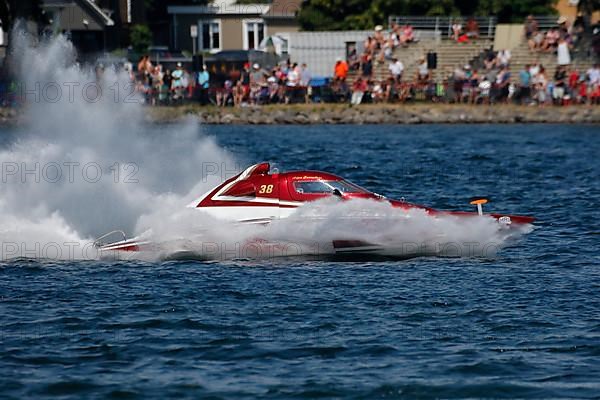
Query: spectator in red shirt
582,92
595,94
359,87
573,80
340,70
472,28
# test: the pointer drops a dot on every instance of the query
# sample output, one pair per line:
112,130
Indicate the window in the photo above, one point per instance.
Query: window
209,35
254,33
313,187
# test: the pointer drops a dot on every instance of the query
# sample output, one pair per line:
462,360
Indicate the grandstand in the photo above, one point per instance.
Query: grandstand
434,33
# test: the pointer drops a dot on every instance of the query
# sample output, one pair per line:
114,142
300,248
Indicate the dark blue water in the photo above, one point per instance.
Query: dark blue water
525,324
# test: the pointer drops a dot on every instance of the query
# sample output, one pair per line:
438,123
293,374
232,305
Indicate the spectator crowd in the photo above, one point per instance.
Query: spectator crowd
253,85
489,80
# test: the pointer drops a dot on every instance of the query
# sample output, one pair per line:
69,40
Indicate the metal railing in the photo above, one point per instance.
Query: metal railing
546,22
443,25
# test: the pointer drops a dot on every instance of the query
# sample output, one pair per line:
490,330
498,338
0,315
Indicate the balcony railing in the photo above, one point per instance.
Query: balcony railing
442,26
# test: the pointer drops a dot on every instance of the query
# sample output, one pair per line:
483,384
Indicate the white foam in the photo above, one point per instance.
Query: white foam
80,140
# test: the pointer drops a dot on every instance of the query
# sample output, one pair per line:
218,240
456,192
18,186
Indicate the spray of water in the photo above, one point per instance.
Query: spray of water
325,228
85,163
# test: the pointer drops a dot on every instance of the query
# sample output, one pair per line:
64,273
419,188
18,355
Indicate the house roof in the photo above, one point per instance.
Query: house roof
102,16
221,7
99,12
284,9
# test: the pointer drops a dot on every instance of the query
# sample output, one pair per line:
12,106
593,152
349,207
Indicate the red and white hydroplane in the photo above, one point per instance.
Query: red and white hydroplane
260,196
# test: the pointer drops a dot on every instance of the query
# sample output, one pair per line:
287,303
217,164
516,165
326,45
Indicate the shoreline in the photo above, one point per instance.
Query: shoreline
334,114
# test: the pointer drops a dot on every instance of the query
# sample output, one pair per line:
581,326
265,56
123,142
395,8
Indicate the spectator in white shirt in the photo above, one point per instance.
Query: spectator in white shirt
396,68
305,77
534,69
422,71
594,74
503,58
293,77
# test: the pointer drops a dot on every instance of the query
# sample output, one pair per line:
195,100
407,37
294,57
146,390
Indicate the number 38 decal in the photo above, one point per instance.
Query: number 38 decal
265,189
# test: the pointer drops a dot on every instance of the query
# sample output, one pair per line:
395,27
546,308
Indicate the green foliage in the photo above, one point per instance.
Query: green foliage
140,37
119,53
360,14
588,6
515,10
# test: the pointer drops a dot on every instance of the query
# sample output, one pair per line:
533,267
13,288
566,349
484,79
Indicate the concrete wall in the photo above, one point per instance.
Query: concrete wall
508,36
320,49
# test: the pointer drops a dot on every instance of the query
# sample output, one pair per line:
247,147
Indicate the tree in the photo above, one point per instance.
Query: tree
360,14
140,37
515,10
587,7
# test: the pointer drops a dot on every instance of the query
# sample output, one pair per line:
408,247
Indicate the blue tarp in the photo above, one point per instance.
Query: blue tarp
319,81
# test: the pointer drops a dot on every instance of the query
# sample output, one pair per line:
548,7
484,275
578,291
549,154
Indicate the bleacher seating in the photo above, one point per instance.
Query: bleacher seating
449,55
434,36
521,56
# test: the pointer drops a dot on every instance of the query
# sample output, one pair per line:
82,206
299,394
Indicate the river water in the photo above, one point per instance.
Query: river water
524,323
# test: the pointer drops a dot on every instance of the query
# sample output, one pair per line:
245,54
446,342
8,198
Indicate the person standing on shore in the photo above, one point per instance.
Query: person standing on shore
340,70
157,83
524,85
238,94
305,77
540,83
203,82
562,51
572,84
558,92
293,81
257,81
177,82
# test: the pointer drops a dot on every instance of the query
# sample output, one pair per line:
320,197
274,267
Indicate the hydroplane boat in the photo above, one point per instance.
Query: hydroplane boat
260,195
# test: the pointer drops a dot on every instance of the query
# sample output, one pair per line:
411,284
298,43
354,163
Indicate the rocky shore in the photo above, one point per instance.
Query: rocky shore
379,114
363,114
